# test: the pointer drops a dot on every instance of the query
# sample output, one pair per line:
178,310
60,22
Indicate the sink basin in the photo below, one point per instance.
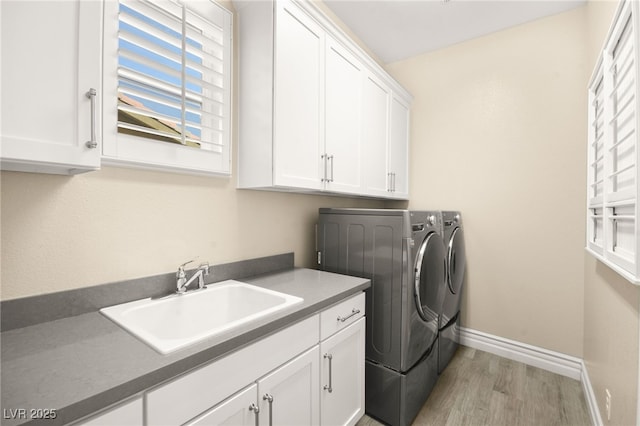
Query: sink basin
179,320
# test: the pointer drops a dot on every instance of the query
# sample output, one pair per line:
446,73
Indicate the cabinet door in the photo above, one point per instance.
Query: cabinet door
125,414
375,135
290,395
238,410
343,104
399,149
50,60
342,376
297,144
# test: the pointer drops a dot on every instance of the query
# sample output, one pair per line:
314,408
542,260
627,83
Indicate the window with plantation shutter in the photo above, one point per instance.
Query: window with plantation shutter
595,225
621,190
168,85
612,202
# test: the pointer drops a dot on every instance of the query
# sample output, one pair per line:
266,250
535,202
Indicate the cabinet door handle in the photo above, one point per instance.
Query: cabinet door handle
389,182
256,411
354,311
324,162
393,180
329,387
331,159
91,94
269,399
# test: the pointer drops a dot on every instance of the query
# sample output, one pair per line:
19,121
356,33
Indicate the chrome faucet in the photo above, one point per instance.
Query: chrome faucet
182,283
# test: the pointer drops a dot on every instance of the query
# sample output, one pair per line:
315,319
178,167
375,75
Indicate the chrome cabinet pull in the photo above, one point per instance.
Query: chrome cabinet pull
256,411
93,143
354,311
328,387
388,182
331,159
324,160
269,399
392,182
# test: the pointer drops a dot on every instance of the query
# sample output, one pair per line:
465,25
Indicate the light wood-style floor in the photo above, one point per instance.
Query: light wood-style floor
478,388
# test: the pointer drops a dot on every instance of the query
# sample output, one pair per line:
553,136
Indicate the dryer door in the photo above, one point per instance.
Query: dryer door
429,278
456,261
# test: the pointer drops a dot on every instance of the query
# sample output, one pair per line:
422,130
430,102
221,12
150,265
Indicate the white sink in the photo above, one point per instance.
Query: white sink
179,320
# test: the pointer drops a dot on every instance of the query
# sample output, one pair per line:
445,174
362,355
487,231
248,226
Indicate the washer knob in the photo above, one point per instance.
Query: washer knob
456,218
431,220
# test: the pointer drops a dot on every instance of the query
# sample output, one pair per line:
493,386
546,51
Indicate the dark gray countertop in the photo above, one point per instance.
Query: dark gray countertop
81,364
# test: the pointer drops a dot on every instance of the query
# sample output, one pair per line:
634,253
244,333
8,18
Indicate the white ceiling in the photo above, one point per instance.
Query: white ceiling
398,29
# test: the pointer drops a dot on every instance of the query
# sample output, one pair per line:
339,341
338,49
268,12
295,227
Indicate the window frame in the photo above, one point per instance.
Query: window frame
119,149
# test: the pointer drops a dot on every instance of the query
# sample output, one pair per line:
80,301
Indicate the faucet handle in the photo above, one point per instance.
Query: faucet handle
180,273
205,267
187,262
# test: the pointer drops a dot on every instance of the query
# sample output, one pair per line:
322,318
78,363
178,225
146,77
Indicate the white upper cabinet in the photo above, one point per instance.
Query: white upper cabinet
612,192
399,148
385,132
51,86
298,85
305,121
343,104
375,136
117,82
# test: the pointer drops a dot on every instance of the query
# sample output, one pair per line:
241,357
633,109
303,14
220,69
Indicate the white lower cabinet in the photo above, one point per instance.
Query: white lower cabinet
310,373
206,387
128,413
289,395
342,399
237,410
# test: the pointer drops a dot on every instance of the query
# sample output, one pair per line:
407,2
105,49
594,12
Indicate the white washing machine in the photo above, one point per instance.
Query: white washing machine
449,327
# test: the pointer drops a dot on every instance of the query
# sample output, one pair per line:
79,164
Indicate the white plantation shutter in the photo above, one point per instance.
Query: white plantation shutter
621,183
596,159
620,189
172,84
612,203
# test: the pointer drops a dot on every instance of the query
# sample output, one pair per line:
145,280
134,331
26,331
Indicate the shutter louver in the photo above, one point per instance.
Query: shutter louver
171,76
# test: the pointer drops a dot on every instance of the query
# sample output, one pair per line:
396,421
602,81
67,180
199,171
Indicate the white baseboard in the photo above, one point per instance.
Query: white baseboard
555,362
590,397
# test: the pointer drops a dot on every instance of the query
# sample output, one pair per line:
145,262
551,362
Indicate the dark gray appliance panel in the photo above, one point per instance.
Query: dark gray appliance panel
384,298
362,246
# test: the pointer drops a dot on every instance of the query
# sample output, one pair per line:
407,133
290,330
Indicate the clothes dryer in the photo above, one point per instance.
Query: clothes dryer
403,255
449,327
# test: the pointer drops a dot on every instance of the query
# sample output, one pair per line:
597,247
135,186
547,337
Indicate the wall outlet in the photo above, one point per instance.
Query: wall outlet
607,403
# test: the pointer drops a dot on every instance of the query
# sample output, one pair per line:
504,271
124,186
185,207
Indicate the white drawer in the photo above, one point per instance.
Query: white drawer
341,315
193,393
